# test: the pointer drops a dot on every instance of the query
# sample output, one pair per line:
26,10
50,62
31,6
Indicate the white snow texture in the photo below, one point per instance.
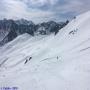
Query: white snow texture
52,62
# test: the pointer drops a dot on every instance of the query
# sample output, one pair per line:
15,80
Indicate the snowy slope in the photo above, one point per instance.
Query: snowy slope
60,62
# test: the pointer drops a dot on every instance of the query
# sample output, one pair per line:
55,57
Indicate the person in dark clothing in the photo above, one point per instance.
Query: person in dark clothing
57,57
30,58
26,61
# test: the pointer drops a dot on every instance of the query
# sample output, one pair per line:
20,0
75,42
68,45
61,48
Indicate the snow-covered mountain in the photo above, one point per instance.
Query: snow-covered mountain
51,62
10,29
23,22
49,27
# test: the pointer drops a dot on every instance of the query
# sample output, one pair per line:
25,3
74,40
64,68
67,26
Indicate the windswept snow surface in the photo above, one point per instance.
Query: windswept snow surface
60,62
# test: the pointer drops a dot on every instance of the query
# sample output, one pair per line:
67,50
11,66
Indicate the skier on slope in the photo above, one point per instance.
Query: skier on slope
26,61
57,57
30,58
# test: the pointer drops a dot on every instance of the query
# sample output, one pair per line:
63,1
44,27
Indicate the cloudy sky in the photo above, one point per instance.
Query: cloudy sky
43,10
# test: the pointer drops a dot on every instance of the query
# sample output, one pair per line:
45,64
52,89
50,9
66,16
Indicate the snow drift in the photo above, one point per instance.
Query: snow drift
60,62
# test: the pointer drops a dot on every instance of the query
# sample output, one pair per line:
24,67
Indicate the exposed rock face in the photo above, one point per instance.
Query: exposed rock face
10,29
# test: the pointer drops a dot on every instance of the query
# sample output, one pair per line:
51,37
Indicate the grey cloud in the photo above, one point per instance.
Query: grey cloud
40,10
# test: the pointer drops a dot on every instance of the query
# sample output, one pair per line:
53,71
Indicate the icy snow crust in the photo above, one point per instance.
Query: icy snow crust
60,62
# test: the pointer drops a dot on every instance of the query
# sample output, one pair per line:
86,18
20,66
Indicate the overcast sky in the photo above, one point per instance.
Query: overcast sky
43,10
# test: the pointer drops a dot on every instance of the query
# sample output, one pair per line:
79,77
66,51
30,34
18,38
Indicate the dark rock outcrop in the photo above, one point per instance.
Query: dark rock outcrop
10,29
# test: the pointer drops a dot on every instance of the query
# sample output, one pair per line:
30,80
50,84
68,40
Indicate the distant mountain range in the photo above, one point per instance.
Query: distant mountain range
10,29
